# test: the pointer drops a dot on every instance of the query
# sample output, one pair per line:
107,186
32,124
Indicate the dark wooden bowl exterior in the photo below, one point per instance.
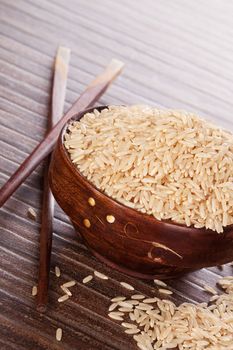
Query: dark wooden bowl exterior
135,243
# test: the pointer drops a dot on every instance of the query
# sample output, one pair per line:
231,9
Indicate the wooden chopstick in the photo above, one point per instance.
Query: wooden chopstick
92,93
46,232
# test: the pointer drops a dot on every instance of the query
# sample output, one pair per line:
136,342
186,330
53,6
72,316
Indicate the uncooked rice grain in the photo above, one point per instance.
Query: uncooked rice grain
57,271
166,163
66,290
87,279
113,306
125,309
127,285
160,283
214,297
150,300
143,306
137,296
128,325
209,289
34,291
132,331
165,291
132,302
116,316
69,284
58,334
187,326
118,299
32,213
125,304
100,275
63,298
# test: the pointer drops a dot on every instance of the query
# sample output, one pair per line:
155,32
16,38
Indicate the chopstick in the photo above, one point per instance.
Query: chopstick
92,93
46,232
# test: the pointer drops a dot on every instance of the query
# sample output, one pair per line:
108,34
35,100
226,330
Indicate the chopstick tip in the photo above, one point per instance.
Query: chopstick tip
41,308
64,53
116,64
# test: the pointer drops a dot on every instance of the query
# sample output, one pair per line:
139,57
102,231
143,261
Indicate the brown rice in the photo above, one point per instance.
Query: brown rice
87,279
164,325
69,284
170,164
57,271
58,334
34,291
100,275
32,213
127,285
63,298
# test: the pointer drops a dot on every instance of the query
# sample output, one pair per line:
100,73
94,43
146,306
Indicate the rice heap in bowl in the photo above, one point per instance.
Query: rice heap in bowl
169,164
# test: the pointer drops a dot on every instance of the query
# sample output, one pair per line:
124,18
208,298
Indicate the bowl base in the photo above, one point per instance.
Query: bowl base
166,273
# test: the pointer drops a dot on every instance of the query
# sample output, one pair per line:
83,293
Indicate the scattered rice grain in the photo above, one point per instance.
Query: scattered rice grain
127,285
63,298
100,275
32,213
34,291
69,284
57,271
66,290
118,299
165,291
160,283
58,334
87,279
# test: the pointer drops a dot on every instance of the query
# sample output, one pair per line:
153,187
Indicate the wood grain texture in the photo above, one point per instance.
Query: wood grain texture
178,54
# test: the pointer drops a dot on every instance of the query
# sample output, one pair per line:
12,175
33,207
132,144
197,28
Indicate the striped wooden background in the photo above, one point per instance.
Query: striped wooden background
178,53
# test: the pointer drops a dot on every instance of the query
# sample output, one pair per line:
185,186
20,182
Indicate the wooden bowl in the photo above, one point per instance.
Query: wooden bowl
134,243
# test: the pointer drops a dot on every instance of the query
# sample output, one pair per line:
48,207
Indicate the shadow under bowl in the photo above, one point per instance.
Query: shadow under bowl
135,243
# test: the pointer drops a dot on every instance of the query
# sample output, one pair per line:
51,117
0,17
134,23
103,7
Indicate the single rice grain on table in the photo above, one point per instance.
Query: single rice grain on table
126,285
87,279
57,271
32,213
63,298
119,298
165,163
160,283
100,275
165,291
69,284
58,334
34,291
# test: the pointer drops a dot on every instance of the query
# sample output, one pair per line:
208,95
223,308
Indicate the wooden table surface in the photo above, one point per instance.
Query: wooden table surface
178,54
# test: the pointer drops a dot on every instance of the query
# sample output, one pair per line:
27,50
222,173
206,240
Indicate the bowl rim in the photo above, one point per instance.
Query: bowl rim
168,222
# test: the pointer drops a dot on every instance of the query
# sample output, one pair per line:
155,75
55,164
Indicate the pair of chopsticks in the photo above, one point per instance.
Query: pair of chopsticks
90,95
